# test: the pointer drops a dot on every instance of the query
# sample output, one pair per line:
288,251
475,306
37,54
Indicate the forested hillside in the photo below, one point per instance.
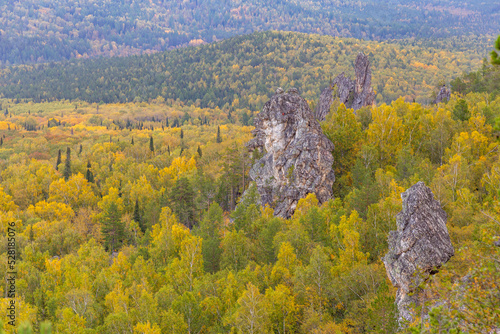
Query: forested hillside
41,31
241,72
102,196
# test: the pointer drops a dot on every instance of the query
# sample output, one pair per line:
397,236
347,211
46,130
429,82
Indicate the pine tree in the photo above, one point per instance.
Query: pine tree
151,145
219,139
81,149
182,134
67,165
199,151
132,141
58,162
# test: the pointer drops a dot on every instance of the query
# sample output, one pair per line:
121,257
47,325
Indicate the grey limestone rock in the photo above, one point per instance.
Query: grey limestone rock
419,247
353,94
443,95
297,156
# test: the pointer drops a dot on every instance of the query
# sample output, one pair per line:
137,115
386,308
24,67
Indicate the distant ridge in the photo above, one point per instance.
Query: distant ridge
240,72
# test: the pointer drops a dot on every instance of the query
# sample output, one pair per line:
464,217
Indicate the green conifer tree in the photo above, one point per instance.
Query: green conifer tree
112,227
58,162
137,216
219,139
67,165
89,176
151,145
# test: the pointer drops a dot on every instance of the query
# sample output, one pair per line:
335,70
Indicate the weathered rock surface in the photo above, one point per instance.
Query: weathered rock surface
297,155
418,248
354,94
443,95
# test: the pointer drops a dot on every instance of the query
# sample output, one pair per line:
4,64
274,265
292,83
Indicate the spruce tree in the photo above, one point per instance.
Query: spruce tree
132,141
67,165
81,149
89,176
182,134
137,216
58,162
219,139
199,151
112,228
151,145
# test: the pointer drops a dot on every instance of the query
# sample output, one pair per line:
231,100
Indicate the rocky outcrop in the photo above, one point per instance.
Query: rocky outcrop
418,248
353,94
297,155
443,95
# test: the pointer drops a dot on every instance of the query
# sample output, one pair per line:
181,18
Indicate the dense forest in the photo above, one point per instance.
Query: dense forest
241,72
41,31
127,221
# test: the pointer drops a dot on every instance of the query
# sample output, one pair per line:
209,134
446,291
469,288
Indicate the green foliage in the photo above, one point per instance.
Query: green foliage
112,227
461,111
495,54
182,198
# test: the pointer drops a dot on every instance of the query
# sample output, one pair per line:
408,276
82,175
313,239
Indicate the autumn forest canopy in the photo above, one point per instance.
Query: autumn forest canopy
123,176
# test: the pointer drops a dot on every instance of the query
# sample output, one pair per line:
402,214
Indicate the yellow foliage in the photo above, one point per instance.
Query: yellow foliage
51,211
179,166
146,328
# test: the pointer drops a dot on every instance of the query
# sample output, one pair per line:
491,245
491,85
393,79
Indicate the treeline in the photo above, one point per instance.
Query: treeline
242,72
129,230
42,31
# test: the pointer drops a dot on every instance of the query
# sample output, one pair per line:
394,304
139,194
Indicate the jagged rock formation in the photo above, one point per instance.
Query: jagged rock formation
418,248
353,94
297,155
443,95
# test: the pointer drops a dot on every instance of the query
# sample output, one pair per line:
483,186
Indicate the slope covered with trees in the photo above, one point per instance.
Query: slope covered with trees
241,72
42,31
102,197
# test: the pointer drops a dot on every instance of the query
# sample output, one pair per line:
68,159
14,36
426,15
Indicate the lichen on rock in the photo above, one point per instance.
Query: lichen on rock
297,155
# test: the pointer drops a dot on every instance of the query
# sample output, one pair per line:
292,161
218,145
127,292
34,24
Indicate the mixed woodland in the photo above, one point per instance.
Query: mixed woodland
242,72
42,31
129,217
